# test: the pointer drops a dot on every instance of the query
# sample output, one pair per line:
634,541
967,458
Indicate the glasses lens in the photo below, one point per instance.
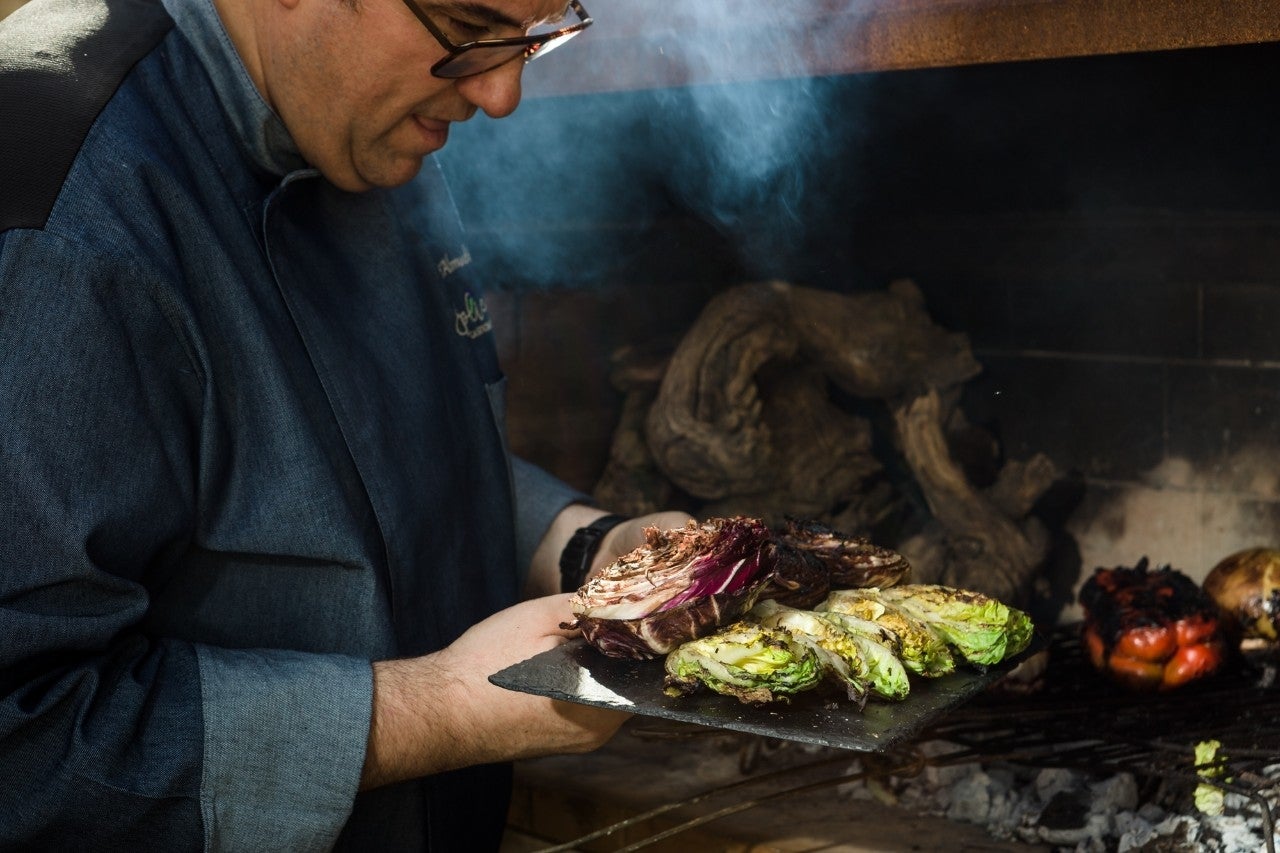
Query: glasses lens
549,45
478,59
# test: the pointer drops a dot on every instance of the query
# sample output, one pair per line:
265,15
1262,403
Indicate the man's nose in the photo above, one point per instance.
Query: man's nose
497,91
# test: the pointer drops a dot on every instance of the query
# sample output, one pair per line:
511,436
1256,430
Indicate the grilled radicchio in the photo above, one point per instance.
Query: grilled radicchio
680,585
851,561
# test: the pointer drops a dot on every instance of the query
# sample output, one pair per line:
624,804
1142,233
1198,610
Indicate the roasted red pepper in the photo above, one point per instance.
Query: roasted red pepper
1197,628
1148,642
1139,674
1190,663
1150,629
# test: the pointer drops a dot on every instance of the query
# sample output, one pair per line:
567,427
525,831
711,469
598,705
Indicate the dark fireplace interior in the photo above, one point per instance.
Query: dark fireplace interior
1104,229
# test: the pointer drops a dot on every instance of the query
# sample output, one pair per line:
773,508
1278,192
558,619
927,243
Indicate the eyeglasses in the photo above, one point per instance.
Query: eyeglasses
477,57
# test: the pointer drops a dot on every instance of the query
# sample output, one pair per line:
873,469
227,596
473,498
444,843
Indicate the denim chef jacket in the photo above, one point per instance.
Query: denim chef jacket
250,440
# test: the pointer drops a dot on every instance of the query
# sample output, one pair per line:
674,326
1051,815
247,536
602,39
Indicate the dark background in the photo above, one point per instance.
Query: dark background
1106,231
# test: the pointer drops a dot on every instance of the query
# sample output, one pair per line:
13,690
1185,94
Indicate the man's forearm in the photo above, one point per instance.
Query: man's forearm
544,571
404,718
439,712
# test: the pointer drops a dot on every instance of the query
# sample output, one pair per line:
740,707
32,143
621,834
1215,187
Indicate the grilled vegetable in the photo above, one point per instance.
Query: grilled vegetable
798,580
1246,588
853,562
862,655
680,585
979,628
841,658
885,672
1209,798
922,651
751,662
1150,629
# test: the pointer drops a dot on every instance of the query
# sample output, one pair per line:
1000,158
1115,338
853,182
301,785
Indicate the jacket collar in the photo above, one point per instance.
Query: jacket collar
262,133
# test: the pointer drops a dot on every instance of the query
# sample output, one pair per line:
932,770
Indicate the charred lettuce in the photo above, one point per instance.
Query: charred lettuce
842,660
979,628
921,650
753,663
884,671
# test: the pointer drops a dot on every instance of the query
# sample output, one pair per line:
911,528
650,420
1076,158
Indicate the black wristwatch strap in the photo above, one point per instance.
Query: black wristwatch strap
580,552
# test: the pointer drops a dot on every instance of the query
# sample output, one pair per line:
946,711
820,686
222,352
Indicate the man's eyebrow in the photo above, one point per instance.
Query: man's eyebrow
487,14
480,13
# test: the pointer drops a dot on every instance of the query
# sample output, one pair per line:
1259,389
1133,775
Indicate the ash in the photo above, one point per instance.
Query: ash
1069,810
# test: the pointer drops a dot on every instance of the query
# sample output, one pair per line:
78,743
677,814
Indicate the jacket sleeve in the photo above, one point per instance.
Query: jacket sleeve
539,499
110,735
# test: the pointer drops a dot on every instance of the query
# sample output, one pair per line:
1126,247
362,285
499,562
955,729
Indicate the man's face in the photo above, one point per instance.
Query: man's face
352,82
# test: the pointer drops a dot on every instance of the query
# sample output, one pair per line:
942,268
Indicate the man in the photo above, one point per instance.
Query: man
261,543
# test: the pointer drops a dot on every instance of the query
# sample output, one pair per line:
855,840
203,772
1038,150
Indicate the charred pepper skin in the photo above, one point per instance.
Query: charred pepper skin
1151,629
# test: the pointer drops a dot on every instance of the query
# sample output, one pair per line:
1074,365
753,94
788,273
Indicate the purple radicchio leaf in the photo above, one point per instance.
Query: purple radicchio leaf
680,585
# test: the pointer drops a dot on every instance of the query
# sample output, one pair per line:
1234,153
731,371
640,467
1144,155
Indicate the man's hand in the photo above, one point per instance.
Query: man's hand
439,712
629,535
544,573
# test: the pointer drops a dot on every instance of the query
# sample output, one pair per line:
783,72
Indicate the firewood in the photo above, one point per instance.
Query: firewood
762,410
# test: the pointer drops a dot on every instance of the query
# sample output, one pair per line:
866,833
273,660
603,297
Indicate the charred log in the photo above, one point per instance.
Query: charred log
983,540
748,417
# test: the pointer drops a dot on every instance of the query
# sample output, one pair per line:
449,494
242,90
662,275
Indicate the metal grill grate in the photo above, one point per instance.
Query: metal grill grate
1075,719
1079,720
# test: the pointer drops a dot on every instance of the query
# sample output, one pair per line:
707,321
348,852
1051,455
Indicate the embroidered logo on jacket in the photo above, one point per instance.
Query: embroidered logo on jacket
473,320
448,265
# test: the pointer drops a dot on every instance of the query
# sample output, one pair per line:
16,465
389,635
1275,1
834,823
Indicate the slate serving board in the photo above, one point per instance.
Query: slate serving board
575,672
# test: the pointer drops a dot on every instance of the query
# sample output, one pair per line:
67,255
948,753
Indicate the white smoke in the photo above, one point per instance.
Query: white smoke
739,153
